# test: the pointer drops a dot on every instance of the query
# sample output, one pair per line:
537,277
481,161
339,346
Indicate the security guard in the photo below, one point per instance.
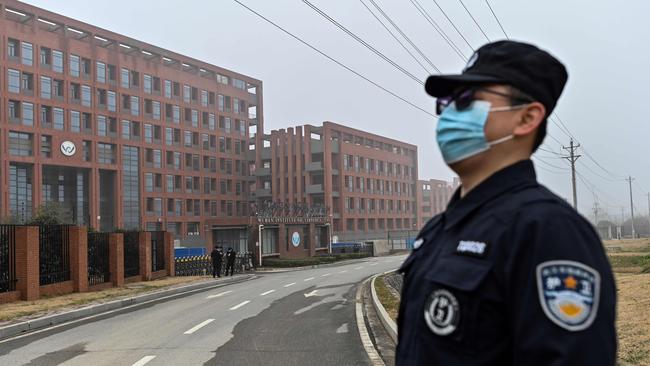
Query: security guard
509,274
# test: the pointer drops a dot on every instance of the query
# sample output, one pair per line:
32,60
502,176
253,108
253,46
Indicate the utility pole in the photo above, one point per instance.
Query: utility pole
629,180
596,208
572,157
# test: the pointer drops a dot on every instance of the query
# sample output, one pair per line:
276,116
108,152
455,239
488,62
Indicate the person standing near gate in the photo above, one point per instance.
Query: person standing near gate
509,273
217,259
230,261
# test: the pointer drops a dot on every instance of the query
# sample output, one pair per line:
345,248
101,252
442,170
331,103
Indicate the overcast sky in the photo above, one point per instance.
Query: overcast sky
602,43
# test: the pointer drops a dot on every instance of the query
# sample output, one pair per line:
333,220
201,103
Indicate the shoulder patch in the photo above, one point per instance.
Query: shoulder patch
569,293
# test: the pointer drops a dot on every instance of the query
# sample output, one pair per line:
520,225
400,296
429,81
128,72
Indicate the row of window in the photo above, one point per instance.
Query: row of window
153,182
376,224
370,205
375,166
54,117
129,79
22,144
18,82
368,142
378,186
192,207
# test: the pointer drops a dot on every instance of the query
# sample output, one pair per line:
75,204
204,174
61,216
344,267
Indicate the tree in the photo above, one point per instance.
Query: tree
51,213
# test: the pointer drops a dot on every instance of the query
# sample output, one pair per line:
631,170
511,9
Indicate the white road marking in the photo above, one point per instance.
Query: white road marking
218,295
309,279
313,293
342,329
374,264
326,274
144,360
343,271
199,326
267,292
290,284
239,305
358,267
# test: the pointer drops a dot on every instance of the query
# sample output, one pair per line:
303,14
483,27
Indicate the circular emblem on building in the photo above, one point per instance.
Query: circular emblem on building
442,312
295,239
68,148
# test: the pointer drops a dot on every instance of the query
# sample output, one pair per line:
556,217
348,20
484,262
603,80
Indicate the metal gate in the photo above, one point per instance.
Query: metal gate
98,258
157,251
54,254
7,258
131,253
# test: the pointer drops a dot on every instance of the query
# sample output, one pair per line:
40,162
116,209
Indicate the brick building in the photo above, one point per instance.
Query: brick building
123,133
433,196
367,182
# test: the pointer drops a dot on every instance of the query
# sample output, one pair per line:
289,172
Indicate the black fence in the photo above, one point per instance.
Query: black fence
202,265
99,270
54,254
131,253
353,248
7,258
157,250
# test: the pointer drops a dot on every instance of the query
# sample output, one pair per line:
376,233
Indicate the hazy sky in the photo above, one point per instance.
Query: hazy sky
602,43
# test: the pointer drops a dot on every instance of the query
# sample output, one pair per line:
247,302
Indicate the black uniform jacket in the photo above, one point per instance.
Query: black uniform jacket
510,274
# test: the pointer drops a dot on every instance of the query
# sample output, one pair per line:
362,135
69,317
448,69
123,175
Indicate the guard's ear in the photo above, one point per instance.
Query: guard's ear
530,117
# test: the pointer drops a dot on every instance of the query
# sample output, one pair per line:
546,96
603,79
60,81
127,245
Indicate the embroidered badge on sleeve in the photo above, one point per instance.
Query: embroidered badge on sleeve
568,293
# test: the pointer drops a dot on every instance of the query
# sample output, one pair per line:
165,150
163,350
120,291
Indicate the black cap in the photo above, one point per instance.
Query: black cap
521,65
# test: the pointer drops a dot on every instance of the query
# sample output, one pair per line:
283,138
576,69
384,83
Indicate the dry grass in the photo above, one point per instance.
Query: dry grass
387,297
22,310
634,318
630,259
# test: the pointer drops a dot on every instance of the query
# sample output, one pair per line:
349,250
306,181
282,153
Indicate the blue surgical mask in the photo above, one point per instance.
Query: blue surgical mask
461,134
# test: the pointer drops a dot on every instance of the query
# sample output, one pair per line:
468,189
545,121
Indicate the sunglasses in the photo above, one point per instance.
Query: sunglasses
465,97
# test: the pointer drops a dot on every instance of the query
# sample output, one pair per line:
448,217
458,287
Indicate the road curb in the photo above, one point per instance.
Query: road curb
293,269
371,351
91,311
386,320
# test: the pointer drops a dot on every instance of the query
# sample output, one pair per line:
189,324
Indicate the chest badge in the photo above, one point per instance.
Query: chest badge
472,248
442,312
568,293
418,243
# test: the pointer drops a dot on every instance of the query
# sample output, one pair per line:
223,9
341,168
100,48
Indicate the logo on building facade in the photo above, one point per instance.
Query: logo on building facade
295,239
68,148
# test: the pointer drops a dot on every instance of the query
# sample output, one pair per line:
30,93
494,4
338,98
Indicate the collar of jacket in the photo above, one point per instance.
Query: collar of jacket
514,176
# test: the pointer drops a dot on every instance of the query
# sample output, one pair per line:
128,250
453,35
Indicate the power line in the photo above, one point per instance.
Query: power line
497,18
435,26
395,37
453,25
537,158
358,39
335,60
417,49
599,175
561,124
474,19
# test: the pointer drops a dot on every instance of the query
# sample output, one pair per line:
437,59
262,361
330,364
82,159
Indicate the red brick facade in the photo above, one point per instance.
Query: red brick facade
190,122
433,196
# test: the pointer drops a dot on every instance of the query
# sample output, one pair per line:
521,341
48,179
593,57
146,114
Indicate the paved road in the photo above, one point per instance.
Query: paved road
304,317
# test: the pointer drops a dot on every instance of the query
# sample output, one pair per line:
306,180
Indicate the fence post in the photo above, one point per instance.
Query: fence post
79,258
27,262
169,254
145,255
116,262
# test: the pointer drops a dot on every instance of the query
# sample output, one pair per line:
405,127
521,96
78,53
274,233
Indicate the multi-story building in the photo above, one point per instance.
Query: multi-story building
368,182
433,195
123,134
